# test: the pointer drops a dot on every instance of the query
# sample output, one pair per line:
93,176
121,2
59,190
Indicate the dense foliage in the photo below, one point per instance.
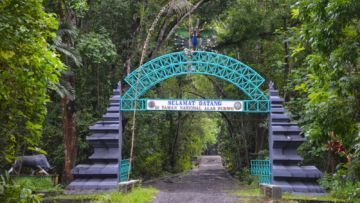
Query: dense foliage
16,192
309,49
327,83
327,77
28,66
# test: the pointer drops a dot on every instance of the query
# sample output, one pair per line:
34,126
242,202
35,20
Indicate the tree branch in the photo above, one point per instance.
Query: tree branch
171,32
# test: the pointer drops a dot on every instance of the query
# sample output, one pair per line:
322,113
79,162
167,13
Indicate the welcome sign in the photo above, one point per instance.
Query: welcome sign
194,105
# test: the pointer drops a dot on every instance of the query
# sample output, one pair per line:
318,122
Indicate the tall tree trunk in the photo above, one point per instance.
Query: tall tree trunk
257,138
287,63
331,161
69,131
98,85
167,141
263,138
260,134
68,109
149,33
160,38
135,27
175,142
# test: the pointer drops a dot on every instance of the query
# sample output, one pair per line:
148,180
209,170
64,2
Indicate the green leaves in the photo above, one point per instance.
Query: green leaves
79,6
98,48
329,39
27,67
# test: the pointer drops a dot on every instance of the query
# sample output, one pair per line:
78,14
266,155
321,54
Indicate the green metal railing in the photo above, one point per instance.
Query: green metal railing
261,169
124,170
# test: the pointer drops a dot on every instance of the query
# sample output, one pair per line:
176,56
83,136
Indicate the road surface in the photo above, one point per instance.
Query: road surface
209,183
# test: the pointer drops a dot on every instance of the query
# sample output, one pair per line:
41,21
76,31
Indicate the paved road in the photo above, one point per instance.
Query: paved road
206,184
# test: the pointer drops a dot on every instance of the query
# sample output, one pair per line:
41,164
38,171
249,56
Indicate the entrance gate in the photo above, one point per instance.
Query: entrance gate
284,136
198,62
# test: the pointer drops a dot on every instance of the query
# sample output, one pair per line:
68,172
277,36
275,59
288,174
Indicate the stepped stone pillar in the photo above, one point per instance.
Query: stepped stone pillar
284,139
102,173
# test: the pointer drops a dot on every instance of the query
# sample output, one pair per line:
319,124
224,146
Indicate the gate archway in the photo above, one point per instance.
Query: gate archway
198,62
104,172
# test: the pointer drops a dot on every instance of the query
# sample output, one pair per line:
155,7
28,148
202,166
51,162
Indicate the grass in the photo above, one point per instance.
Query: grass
288,196
37,184
248,192
248,195
252,193
138,195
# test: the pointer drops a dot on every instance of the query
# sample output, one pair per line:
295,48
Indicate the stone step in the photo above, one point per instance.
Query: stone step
299,187
279,118
111,116
282,141
276,100
116,92
107,122
277,110
281,172
105,128
282,158
114,104
105,154
113,109
88,184
286,130
93,170
274,92
286,154
275,106
115,98
102,136
104,143
285,124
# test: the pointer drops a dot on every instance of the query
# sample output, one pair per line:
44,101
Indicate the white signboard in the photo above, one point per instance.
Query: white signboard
194,105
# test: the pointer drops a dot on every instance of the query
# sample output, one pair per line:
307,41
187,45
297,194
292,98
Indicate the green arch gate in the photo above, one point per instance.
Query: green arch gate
104,171
199,62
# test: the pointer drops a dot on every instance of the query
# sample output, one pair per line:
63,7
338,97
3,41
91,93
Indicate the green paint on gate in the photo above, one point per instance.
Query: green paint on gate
124,170
262,170
197,62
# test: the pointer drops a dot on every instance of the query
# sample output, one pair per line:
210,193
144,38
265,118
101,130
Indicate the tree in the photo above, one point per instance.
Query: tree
327,79
257,40
28,66
97,49
64,44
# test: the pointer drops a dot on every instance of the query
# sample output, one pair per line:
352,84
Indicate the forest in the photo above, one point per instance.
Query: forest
61,59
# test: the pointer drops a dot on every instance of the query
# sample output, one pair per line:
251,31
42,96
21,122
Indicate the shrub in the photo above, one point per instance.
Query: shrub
38,184
340,187
151,166
12,192
244,176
